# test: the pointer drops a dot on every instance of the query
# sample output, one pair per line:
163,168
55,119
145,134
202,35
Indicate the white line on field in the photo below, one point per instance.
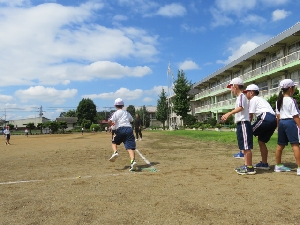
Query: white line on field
144,158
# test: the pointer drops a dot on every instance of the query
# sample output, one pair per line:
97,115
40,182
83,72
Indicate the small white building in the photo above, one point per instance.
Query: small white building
21,124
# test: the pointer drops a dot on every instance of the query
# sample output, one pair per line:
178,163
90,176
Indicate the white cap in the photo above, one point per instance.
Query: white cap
252,87
237,81
119,101
286,83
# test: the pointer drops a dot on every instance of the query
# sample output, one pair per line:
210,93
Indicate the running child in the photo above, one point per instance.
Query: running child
121,119
244,129
288,124
265,124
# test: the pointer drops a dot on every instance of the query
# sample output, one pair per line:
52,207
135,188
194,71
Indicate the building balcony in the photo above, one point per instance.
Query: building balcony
229,103
250,76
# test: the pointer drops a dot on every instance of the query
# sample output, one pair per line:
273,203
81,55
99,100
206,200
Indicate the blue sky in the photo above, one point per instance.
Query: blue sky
54,53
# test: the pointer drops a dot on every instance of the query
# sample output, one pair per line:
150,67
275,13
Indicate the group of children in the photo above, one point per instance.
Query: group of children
285,119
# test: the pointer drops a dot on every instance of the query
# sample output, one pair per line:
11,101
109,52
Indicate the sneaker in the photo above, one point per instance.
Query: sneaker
261,165
239,155
114,156
136,139
133,166
298,171
240,167
282,169
246,170
140,139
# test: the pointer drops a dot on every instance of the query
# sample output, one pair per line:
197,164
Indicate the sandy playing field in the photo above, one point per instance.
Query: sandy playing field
67,179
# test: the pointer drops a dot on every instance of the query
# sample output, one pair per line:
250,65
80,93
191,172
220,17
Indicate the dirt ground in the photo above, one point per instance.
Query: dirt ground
67,179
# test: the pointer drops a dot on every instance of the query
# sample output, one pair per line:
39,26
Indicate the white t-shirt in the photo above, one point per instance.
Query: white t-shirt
241,101
6,131
121,118
258,105
288,109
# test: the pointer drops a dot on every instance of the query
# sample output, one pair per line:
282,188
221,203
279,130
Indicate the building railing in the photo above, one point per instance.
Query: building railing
253,73
231,102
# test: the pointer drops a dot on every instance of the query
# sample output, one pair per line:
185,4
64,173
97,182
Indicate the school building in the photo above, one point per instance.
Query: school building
264,66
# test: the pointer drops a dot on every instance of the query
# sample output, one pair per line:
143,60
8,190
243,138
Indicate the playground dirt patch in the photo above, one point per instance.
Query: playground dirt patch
67,179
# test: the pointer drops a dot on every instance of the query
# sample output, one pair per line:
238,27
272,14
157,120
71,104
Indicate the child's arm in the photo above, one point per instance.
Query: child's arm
250,116
236,110
297,120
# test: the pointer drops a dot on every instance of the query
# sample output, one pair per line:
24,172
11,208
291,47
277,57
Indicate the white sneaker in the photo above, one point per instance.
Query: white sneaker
133,166
114,156
282,169
140,139
136,139
298,171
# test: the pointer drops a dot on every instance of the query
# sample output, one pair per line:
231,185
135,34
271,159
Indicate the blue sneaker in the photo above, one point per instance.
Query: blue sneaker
245,170
282,169
239,155
240,168
261,165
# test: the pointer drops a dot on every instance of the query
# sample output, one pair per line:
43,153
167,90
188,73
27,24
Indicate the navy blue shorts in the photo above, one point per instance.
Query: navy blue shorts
264,126
244,135
288,131
125,135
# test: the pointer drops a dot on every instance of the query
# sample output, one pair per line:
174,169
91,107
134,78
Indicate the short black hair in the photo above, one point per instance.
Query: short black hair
119,106
256,92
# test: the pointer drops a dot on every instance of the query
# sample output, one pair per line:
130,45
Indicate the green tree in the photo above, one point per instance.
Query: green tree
69,113
30,127
131,110
162,108
63,125
190,120
86,124
272,100
95,126
144,115
182,98
54,126
11,126
40,127
86,109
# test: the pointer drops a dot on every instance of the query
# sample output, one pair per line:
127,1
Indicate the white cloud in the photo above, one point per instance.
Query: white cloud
191,29
147,99
127,94
235,6
113,70
188,65
253,19
220,19
236,53
52,41
117,18
5,98
172,10
45,94
280,14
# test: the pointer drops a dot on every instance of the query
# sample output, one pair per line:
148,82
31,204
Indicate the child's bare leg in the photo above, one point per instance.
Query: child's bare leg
248,157
114,147
296,150
263,151
131,154
278,153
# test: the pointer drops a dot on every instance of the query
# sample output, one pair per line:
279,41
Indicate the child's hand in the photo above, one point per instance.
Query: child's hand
225,117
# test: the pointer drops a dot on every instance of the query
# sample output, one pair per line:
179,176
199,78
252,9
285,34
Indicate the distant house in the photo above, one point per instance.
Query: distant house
71,121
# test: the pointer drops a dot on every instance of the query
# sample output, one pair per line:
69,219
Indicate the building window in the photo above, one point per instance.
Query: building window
294,47
236,74
275,83
263,86
295,76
